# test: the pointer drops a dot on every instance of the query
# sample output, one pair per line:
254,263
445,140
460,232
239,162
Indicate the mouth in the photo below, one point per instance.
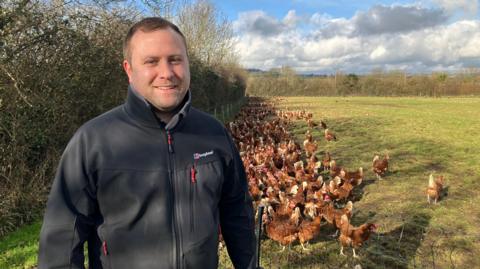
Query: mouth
166,87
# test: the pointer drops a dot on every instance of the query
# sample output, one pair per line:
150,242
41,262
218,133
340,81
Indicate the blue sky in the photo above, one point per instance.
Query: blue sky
278,8
355,36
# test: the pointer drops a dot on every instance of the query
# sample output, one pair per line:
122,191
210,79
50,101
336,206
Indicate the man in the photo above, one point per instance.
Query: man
149,183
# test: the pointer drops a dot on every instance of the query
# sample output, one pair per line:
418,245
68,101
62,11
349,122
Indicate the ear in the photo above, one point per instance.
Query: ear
128,69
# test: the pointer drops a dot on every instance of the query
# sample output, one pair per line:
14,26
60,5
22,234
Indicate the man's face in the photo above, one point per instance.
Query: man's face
158,68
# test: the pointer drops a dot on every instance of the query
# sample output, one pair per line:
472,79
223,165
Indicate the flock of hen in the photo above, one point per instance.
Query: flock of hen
296,193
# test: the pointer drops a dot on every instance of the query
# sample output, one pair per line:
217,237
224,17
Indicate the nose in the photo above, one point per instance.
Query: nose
165,70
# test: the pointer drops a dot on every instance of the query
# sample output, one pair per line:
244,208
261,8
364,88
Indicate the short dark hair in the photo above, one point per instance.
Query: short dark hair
149,24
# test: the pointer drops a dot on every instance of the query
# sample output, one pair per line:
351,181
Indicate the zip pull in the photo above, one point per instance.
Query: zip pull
104,248
193,172
193,175
170,142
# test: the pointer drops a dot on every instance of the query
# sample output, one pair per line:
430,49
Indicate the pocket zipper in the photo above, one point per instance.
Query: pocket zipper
193,179
104,248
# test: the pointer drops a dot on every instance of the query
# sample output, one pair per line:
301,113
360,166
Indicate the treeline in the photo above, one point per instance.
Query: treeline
285,82
60,65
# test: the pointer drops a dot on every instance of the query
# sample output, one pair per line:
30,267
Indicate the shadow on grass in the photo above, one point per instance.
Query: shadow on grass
396,248
444,193
392,249
359,191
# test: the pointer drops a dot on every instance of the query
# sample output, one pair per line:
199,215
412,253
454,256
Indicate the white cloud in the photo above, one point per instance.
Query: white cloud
469,7
378,53
394,19
320,19
259,23
337,43
291,18
379,20
337,46
335,27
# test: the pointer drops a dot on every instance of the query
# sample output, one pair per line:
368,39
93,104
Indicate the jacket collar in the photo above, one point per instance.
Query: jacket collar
144,112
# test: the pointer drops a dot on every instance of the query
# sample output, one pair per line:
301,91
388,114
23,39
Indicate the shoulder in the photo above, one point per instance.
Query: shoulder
201,120
210,129
96,135
101,123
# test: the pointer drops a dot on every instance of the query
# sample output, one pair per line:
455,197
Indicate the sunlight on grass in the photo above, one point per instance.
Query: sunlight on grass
20,249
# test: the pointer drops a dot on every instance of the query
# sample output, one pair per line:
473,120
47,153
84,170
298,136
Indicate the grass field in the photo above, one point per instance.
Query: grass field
422,136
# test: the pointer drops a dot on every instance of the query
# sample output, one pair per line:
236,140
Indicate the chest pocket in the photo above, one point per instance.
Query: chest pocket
204,192
207,178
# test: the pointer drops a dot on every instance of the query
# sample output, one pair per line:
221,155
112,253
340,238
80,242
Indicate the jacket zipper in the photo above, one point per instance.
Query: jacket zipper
171,174
170,142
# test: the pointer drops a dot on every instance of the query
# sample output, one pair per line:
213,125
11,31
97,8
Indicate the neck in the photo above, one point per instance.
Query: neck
164,116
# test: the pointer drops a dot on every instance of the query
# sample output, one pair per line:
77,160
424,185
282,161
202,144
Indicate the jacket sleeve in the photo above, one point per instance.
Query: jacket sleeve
236,214
68,221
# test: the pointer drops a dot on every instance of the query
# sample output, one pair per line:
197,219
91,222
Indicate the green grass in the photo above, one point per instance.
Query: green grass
19,249
421,135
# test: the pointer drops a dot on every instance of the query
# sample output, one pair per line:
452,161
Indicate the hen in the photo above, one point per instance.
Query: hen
343,191
308,230
434,190
313,165
326,161
323,124
333,216
329,135
283,228
334,169
355,178
380,167
310,146
354,237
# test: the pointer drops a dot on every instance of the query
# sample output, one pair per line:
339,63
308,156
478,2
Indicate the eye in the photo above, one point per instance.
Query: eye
175,60
150,61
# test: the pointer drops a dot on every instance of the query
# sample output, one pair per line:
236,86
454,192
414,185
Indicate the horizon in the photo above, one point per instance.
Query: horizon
463,71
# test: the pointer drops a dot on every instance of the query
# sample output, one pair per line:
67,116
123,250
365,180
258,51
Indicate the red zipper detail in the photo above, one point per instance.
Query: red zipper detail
170,142
193,174
104,248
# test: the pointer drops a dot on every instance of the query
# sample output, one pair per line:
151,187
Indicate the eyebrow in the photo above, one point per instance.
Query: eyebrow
157,57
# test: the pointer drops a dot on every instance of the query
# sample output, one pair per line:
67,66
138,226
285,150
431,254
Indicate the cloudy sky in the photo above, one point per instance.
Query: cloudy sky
356,36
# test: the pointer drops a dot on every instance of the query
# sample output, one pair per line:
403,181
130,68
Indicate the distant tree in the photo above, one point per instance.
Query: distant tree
349,85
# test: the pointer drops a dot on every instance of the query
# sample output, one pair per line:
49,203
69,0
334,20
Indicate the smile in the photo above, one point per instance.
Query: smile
169,87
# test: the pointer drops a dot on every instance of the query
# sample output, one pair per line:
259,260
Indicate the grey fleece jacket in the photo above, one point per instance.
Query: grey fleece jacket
148,195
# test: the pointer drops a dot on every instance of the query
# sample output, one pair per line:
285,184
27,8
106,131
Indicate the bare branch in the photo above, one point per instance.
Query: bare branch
15,85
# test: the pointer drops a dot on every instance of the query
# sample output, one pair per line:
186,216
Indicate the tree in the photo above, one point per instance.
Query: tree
209,35
349,85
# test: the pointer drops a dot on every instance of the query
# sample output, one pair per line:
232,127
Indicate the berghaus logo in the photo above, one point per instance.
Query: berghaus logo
197,156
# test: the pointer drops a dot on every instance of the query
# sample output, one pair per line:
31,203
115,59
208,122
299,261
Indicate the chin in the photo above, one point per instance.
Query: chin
166,107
